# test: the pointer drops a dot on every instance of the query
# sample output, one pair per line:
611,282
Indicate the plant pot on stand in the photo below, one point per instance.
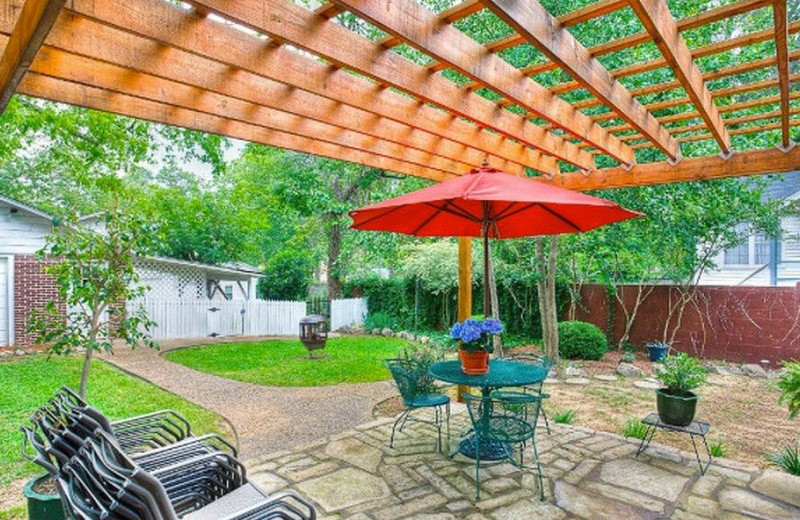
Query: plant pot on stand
42,505
675,409
677,403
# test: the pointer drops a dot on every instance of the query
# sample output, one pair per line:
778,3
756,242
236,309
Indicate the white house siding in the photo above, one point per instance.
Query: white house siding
5,301
788,273
20,232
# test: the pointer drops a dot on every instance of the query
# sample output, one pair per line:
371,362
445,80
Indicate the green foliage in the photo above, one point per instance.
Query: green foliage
287,275
628,357
717,449
681,373
345,359
34,380
95,276
787,459
789,384
565,417
581,340
380,321
634,428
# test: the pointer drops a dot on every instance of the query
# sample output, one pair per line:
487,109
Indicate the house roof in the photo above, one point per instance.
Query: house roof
230,270
786,188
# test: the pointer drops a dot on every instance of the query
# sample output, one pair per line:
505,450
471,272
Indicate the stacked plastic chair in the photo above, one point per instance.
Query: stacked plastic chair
99,477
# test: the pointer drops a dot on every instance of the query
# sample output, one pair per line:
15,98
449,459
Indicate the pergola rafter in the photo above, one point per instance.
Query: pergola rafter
274,72
291,23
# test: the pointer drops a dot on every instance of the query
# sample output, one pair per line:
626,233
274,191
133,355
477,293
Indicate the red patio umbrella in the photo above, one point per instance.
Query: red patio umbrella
489,203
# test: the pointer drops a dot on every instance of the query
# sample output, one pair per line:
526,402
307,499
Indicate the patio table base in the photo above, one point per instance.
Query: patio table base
490,451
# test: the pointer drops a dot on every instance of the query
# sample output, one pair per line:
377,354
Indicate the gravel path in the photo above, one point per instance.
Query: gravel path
266,419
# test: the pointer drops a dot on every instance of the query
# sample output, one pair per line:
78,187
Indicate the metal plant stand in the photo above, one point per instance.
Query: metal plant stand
695,429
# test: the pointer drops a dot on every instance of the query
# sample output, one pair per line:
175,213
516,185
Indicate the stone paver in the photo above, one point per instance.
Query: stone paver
588,475
266,419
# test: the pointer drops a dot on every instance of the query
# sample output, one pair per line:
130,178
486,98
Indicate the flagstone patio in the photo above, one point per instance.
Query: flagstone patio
588,474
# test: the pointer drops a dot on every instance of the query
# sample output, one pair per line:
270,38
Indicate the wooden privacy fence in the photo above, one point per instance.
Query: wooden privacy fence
177,319
348,311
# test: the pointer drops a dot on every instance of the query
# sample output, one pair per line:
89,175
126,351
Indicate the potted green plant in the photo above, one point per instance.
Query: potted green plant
676,403
474,339
43,500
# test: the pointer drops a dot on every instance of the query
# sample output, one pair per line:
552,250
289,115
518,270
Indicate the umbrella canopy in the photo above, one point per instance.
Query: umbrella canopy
489,203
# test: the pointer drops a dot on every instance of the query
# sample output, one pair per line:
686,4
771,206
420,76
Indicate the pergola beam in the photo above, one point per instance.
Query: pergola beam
422,29
32,26
308,86
35,84
684,24
781,18
752,162
292,23
531,20
125,50
76,69
658,21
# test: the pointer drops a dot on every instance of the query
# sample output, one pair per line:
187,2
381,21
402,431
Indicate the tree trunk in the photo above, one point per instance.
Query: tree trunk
546,285
334,251
494,302
87,363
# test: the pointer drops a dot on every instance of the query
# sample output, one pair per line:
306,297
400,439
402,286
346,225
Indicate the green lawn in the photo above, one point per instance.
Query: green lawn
29,382
347,359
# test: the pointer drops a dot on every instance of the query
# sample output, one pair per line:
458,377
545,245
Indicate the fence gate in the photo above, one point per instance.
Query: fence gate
212,320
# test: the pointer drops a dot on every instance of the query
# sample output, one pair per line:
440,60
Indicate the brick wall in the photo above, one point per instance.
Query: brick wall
33,288
742,324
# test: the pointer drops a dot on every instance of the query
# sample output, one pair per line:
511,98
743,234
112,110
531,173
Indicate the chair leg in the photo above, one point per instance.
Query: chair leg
538,470
401,417
546,422
477,468
438,422
447,419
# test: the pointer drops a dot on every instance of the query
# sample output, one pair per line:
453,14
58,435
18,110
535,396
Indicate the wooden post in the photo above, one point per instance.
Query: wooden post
464,288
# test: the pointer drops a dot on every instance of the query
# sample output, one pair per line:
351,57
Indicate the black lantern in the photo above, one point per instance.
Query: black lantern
313,333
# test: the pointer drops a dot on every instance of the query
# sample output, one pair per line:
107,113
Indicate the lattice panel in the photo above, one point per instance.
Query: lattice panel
169,281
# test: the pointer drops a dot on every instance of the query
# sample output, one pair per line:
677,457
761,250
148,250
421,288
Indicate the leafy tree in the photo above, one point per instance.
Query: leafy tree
311,197
288,274
96,282
69,160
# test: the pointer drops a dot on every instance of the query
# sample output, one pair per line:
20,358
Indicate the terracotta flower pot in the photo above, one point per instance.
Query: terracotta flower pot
474,363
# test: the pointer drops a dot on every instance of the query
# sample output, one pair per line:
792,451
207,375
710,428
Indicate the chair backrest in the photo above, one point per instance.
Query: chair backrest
94,489
526,409
410,376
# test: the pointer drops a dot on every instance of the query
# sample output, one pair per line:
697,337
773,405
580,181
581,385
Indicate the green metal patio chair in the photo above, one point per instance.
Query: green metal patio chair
418,391
505,422
529,392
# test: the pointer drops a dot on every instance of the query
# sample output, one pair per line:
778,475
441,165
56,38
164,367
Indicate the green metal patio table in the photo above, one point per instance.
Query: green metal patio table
502,373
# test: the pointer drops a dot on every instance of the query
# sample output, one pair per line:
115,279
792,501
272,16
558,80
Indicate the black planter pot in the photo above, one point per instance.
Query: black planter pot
676,410
42,507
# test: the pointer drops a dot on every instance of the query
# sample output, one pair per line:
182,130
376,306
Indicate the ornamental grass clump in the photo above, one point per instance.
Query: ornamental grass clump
474,334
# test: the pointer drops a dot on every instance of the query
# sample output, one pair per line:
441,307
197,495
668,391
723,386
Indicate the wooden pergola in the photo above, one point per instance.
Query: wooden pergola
278,73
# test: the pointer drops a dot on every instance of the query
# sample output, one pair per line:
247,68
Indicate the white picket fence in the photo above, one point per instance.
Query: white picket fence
348,311
180,319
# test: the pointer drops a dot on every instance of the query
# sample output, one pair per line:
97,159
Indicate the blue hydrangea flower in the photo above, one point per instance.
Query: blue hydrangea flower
455,332
492,326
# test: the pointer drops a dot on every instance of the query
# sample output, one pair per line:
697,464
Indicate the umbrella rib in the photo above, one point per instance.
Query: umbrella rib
433,215
504,214
459,212
562,219
388,211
